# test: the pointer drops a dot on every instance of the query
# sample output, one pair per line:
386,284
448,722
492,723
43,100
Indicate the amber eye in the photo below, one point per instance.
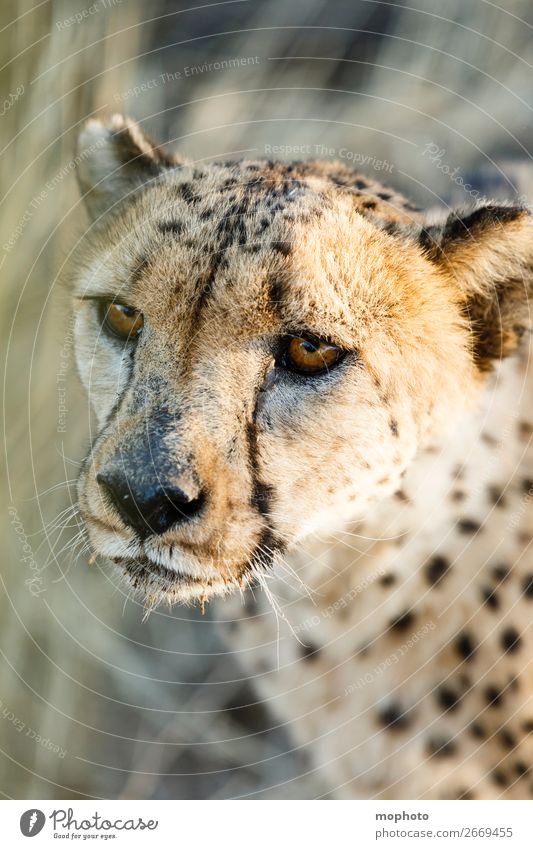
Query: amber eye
122,321
309,356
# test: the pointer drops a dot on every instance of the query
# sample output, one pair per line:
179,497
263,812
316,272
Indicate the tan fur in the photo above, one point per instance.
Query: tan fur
223,260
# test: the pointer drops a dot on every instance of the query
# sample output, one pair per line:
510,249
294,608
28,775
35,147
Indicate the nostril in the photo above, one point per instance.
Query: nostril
146,507
187,507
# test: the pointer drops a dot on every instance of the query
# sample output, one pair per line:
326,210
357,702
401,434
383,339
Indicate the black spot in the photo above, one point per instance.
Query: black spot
387,580
521,768
393,716
464,794
282,247
361,184
468,526
440,747
310,652
499,778
390,227
401,496
369,204
173,227
276,292
493,696
490,598
507,739
514,683
402,622
393,424
206,214
384,195
501,572
477,731
510,640
527,486
436,569
448,698
496,496
465,645
527,586
525,429
185,191
527,726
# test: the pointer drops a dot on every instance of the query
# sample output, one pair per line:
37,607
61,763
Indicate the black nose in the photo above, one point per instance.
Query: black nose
148,508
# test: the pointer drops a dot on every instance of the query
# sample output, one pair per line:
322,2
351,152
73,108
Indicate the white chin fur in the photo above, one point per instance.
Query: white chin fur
181,564
109,544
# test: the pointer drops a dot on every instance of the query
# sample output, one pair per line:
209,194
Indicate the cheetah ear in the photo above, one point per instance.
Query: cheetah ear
115,158
488,253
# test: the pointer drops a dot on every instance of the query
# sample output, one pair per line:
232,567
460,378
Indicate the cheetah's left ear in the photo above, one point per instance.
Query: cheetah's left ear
114,159
488,252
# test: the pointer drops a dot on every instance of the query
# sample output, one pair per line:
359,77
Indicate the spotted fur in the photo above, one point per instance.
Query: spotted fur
380,513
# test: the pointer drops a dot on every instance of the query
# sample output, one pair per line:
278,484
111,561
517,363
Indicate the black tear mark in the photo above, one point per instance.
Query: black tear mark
262,493
260,500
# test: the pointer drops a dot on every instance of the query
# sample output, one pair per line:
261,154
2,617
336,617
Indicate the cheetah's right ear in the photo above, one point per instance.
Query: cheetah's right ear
487,254
114,159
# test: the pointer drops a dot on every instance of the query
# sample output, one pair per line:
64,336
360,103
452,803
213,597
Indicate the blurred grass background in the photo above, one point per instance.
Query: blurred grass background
94,702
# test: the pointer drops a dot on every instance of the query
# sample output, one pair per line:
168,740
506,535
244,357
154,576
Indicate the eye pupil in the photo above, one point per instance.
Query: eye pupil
306,356
121,320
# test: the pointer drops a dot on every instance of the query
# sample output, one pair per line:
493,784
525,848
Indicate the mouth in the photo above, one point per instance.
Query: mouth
160,584
158,575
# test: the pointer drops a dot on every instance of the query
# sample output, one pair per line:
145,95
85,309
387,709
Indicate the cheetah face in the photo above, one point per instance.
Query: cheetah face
263,356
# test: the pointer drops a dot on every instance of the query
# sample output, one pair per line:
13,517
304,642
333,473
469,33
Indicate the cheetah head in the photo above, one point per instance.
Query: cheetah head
266,346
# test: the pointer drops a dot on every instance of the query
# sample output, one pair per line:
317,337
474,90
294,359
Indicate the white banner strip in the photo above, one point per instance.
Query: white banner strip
265,824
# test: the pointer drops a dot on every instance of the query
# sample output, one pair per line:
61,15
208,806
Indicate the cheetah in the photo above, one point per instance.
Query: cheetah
314,406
